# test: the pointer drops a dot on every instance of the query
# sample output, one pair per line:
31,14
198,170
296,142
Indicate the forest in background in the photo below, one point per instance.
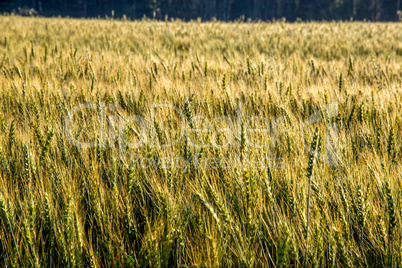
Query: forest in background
225,10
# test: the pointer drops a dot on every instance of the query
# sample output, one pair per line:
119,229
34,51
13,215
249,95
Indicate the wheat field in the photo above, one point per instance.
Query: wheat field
200,144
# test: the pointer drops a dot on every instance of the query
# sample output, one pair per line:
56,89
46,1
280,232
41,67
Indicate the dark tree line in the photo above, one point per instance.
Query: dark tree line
373,10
